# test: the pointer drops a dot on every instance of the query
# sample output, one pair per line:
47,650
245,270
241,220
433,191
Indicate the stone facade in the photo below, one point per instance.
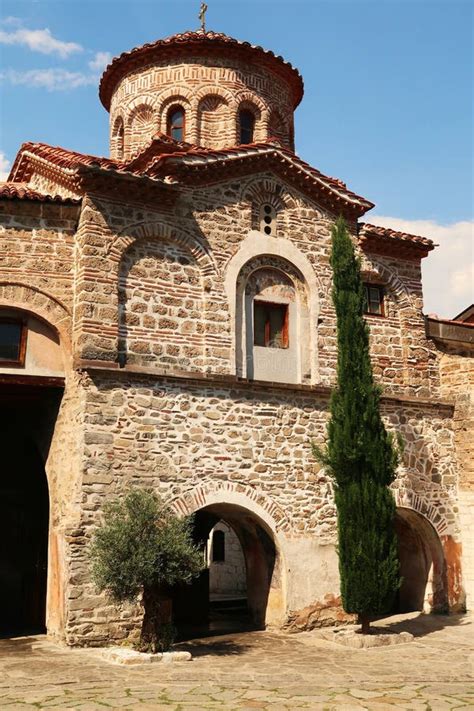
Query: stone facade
148,282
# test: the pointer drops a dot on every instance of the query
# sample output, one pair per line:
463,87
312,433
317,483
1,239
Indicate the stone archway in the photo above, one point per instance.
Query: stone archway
422,564
265,587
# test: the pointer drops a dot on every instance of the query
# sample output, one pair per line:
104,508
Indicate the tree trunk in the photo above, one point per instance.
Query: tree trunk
364,622
157,613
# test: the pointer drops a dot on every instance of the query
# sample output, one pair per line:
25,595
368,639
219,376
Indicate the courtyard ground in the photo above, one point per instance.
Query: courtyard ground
258,670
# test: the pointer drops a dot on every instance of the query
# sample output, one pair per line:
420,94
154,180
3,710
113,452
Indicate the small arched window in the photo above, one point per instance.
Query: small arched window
218,547
120,142
175,124
246,126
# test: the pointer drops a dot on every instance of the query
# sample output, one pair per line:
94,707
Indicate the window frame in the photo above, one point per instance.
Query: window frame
169,128
20,362
381,290
285,329
247,112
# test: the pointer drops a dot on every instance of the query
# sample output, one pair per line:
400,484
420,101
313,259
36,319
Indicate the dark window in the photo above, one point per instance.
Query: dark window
246,123
218,547
270,324
267,219
12,342
374,299
175,127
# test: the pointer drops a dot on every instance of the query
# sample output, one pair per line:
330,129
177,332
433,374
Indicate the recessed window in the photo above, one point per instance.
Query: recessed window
246,126
270,324
268,219
218,547
12,342
175,124
374,299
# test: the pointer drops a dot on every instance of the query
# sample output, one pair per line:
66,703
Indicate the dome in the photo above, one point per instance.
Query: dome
209,89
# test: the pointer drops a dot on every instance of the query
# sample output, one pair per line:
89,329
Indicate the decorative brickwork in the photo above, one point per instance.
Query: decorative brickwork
212,91
148,270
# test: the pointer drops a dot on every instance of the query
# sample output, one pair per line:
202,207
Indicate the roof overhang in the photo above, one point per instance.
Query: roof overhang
207,44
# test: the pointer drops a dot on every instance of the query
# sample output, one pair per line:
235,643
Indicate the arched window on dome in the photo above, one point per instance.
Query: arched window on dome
175,125
246,126
118,139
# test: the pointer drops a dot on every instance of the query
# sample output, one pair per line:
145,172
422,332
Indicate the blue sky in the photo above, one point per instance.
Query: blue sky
388,96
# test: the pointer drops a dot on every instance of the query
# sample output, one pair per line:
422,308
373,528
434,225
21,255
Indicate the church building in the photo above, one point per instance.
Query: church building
166,321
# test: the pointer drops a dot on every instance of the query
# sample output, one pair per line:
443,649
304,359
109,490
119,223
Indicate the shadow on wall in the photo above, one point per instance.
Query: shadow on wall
422,565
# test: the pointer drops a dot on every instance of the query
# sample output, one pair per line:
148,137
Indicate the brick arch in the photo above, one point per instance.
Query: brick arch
247,97
175,95
389,277
408,499
258,245
148,100
139,126
228,492
213,90
212,114
267,190
118,137
16,295
161,231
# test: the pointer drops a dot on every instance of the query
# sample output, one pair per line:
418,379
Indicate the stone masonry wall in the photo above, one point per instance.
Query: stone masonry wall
37,247
211,227
177,435
161,306
457,381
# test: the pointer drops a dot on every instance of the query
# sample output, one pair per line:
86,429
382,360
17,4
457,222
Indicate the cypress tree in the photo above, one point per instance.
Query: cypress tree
360,454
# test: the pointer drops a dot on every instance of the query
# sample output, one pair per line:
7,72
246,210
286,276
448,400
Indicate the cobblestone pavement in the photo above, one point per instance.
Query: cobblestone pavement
244,672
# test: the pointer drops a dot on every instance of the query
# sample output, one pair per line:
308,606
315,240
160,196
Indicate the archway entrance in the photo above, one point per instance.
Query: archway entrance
422,564
26,421
199,609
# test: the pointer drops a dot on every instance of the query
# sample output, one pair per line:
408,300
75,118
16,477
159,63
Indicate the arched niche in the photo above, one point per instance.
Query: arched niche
422,564
212,117
41,352
272,321
141,127
160,299
285,257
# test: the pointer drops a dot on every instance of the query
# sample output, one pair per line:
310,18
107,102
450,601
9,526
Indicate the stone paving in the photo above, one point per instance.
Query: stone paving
259,670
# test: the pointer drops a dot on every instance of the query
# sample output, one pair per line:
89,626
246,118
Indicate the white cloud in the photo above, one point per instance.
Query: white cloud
50,79
11,21
39,41
100,61
448,271
4,166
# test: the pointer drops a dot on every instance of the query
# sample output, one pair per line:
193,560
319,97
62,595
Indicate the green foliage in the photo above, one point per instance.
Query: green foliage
142,544
360,454
368,555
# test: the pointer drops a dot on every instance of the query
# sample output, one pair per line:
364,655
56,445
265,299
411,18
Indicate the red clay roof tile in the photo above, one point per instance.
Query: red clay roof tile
20,191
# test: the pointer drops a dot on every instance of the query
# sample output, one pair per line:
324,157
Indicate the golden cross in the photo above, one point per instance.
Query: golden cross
202,16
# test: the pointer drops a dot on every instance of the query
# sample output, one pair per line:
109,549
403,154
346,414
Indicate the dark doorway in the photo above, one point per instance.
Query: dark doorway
26,420
422,565
196,611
